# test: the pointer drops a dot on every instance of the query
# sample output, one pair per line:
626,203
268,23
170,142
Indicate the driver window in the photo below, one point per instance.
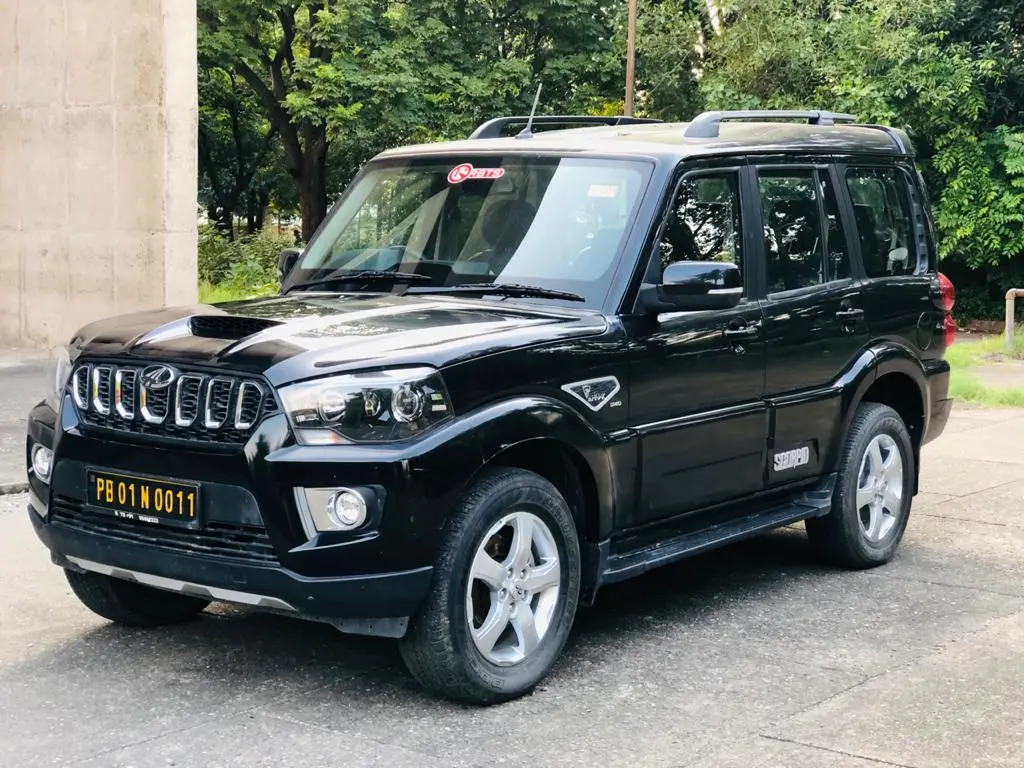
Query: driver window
703,223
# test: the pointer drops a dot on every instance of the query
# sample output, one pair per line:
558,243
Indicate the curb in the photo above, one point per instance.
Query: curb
10,488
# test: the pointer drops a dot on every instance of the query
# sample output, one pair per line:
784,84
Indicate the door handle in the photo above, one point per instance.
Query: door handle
850,314
742,332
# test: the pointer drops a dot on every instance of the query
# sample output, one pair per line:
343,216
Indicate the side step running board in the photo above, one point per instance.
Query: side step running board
813,503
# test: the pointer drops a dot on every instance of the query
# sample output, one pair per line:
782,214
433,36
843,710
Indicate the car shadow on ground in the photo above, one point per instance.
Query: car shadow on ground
256,657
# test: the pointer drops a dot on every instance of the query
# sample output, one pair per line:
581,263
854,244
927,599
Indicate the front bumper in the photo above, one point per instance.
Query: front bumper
266,557
377,604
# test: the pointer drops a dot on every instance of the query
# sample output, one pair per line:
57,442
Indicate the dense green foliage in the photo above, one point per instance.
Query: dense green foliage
297,95
244,265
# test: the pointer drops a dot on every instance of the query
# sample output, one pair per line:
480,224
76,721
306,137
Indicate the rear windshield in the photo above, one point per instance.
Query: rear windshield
551,222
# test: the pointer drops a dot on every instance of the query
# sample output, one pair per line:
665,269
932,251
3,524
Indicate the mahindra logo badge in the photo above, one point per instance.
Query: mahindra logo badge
157,377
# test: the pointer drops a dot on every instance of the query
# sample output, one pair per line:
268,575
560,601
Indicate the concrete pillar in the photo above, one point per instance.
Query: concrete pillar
98,172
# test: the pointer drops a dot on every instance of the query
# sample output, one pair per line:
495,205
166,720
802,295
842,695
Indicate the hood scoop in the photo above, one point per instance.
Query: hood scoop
228,327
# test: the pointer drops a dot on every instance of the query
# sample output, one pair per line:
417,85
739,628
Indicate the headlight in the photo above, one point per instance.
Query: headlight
58,373
381,406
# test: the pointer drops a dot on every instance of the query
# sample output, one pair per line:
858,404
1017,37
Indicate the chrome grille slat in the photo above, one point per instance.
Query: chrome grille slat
162,400
218,402
100,400
186,401
124,392
247,407
156,404
80,386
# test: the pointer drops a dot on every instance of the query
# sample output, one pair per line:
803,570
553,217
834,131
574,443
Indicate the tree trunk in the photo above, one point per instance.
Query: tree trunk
256,202
714,16
312,182
225,222
262,201
250,213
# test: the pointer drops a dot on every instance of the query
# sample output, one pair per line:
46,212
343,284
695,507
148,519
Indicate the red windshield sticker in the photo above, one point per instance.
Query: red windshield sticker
603,190
460,173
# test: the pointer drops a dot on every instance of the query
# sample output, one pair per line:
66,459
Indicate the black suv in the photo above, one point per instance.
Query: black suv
508,371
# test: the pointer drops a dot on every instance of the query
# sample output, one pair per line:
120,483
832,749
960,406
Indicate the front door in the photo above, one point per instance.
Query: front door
814,315
697,378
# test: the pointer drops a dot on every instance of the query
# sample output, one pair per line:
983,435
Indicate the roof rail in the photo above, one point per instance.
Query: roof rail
706,124
492,128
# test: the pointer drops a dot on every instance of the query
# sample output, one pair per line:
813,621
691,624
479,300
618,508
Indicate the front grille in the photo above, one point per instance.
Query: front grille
236,542
162,401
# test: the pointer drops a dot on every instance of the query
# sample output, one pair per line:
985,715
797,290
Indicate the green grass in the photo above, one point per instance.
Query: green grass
966,387
213,294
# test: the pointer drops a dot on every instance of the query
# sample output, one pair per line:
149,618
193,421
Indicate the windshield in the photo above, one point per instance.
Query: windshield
551,222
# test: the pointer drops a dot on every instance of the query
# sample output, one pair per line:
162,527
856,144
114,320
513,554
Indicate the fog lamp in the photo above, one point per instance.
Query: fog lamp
333,509
347,509
42,462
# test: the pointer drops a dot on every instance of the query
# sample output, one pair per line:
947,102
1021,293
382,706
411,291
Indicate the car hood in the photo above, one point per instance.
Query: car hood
288,338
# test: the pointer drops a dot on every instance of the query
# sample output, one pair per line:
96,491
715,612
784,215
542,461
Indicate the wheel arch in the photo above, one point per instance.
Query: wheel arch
897,379
540,434
563,466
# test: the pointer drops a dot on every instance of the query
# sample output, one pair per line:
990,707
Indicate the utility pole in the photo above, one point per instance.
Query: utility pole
630,57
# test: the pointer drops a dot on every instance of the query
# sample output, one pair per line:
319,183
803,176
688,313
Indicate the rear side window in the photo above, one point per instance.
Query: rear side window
881,208
805,244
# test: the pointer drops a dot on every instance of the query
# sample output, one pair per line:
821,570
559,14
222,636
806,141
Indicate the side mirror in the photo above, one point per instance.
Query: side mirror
688,286
286,261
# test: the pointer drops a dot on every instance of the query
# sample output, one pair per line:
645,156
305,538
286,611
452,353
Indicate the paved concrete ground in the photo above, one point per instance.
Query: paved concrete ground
754,657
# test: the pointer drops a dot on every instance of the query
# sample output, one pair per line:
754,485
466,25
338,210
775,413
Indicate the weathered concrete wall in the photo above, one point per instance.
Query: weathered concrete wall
98,110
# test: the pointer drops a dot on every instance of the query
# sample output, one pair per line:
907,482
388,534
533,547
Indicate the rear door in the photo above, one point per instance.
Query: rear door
892,237
814,313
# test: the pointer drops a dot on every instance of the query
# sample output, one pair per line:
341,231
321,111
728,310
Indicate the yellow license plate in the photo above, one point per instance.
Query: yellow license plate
145,500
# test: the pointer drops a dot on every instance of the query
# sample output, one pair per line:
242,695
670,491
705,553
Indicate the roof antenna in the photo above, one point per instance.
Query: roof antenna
526,133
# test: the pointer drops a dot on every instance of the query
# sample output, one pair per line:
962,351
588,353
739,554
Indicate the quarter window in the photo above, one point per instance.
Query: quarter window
703,223
881,210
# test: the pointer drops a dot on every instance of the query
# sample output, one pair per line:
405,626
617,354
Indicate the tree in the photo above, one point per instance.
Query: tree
345,80
891,62
236,149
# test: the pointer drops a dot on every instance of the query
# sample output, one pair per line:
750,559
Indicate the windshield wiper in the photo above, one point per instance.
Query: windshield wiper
502,289
366,274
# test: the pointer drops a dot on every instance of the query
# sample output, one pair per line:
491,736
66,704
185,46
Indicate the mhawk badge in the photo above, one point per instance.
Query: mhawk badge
594,393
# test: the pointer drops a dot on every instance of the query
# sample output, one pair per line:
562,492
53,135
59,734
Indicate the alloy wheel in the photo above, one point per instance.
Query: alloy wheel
880,488
513,588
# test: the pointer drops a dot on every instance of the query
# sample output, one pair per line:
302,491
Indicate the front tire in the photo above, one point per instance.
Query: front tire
871,501
130,604
505,591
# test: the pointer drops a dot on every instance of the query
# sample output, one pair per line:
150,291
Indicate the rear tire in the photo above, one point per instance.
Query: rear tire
500,610
130,604
871,501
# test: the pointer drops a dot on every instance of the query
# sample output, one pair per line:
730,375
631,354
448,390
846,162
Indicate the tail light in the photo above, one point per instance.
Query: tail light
945,301
947,293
